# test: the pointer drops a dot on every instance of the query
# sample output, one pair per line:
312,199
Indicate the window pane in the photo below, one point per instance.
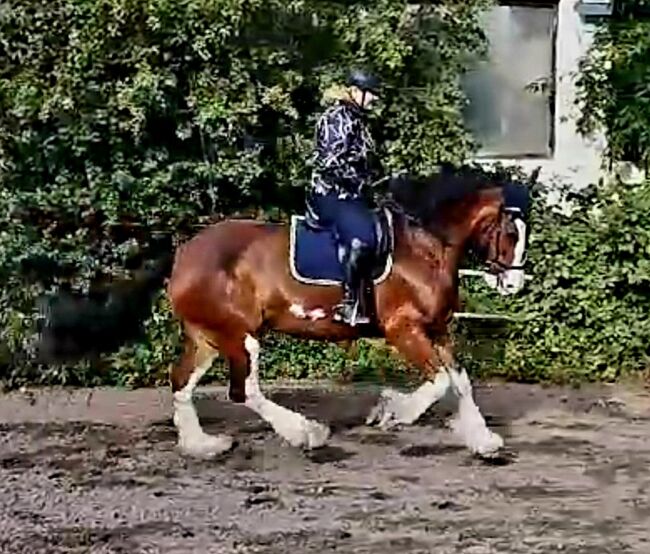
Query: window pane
507,119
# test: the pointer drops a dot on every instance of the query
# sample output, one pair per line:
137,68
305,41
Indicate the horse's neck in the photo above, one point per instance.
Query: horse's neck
436,252
454,224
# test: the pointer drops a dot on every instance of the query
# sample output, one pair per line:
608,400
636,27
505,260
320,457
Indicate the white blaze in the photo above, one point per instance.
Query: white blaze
512,281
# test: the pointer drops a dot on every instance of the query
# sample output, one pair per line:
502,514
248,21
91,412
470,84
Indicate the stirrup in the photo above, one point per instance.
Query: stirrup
349,313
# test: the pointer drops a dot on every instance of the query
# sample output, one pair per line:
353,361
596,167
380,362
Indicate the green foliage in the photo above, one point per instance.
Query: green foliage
613,83
122,119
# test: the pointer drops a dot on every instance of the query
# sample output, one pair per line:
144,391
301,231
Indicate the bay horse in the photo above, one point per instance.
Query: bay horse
239,278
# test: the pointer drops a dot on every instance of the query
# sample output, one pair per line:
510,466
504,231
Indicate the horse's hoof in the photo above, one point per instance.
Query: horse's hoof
501,457
490,447
304,433
206,446
392,409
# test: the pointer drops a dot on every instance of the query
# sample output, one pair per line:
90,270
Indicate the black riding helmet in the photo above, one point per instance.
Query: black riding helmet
364,81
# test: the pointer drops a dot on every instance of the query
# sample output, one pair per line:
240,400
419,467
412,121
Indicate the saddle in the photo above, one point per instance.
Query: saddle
314,259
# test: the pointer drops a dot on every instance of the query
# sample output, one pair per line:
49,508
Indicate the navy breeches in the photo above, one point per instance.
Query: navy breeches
350,218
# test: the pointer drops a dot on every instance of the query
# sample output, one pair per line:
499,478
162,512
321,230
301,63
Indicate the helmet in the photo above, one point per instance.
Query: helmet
364,81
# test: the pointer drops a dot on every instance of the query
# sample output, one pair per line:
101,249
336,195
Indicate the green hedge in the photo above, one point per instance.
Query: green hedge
120,119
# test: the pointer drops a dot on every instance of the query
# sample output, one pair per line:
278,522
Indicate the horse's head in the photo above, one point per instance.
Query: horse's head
469,207
498,233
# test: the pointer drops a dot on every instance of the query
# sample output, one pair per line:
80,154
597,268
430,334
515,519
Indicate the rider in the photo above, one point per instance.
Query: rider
342,165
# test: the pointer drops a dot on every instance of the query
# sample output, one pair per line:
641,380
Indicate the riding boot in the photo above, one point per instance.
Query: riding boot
350,310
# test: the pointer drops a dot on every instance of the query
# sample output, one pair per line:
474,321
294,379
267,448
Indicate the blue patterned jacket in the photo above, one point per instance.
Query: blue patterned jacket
344,150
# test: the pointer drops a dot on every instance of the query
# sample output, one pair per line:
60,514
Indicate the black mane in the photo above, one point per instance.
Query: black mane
421,198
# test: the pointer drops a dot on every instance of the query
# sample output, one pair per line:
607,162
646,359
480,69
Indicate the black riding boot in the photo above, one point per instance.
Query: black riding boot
351,308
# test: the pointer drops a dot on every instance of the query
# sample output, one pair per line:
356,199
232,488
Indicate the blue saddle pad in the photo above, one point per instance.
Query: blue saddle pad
313,256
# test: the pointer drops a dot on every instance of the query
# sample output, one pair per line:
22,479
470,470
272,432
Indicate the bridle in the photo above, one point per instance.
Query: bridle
515,214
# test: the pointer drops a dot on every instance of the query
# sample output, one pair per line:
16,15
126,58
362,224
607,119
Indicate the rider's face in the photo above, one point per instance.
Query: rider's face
363,100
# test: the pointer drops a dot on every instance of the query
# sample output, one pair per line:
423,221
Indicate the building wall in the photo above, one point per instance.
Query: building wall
576,160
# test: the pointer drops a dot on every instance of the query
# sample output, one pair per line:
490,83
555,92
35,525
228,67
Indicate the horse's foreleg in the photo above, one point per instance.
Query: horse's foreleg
192,440
296,429
469,424
395,407
437,363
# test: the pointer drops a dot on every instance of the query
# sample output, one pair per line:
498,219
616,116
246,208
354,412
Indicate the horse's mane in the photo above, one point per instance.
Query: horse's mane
422,198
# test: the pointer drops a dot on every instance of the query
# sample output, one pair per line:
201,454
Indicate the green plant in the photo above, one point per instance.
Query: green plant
123,120
613,83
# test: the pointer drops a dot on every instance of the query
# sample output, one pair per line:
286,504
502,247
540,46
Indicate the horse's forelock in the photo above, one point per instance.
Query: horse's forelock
516,196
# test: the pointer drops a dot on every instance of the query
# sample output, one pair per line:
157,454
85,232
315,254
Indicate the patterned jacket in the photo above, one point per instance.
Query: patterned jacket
344,150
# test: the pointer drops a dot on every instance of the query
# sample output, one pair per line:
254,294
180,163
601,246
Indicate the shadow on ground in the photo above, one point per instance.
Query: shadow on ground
105,476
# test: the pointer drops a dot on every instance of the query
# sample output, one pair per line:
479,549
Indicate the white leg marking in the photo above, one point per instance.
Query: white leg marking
192,440
396,408
296,429
299,311
469,423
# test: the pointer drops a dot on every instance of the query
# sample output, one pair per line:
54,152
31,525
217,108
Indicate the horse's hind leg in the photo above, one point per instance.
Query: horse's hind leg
296,429
195,361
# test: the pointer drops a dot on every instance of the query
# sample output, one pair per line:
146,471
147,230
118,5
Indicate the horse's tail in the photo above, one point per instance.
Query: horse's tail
75,327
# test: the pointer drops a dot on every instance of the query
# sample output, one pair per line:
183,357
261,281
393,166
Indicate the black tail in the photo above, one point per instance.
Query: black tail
75,326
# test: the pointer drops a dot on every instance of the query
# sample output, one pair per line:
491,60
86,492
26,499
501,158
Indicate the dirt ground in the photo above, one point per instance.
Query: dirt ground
100,473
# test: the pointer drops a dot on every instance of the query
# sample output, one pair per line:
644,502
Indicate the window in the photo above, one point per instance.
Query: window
510,110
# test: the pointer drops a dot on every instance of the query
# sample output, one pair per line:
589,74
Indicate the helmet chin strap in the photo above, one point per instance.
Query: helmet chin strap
363,100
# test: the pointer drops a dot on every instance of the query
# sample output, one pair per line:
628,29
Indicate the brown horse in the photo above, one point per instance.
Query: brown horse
233,281
237,279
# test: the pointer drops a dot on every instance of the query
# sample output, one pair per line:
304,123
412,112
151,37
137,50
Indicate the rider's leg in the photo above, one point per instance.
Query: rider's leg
353,224
356,232
355,268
